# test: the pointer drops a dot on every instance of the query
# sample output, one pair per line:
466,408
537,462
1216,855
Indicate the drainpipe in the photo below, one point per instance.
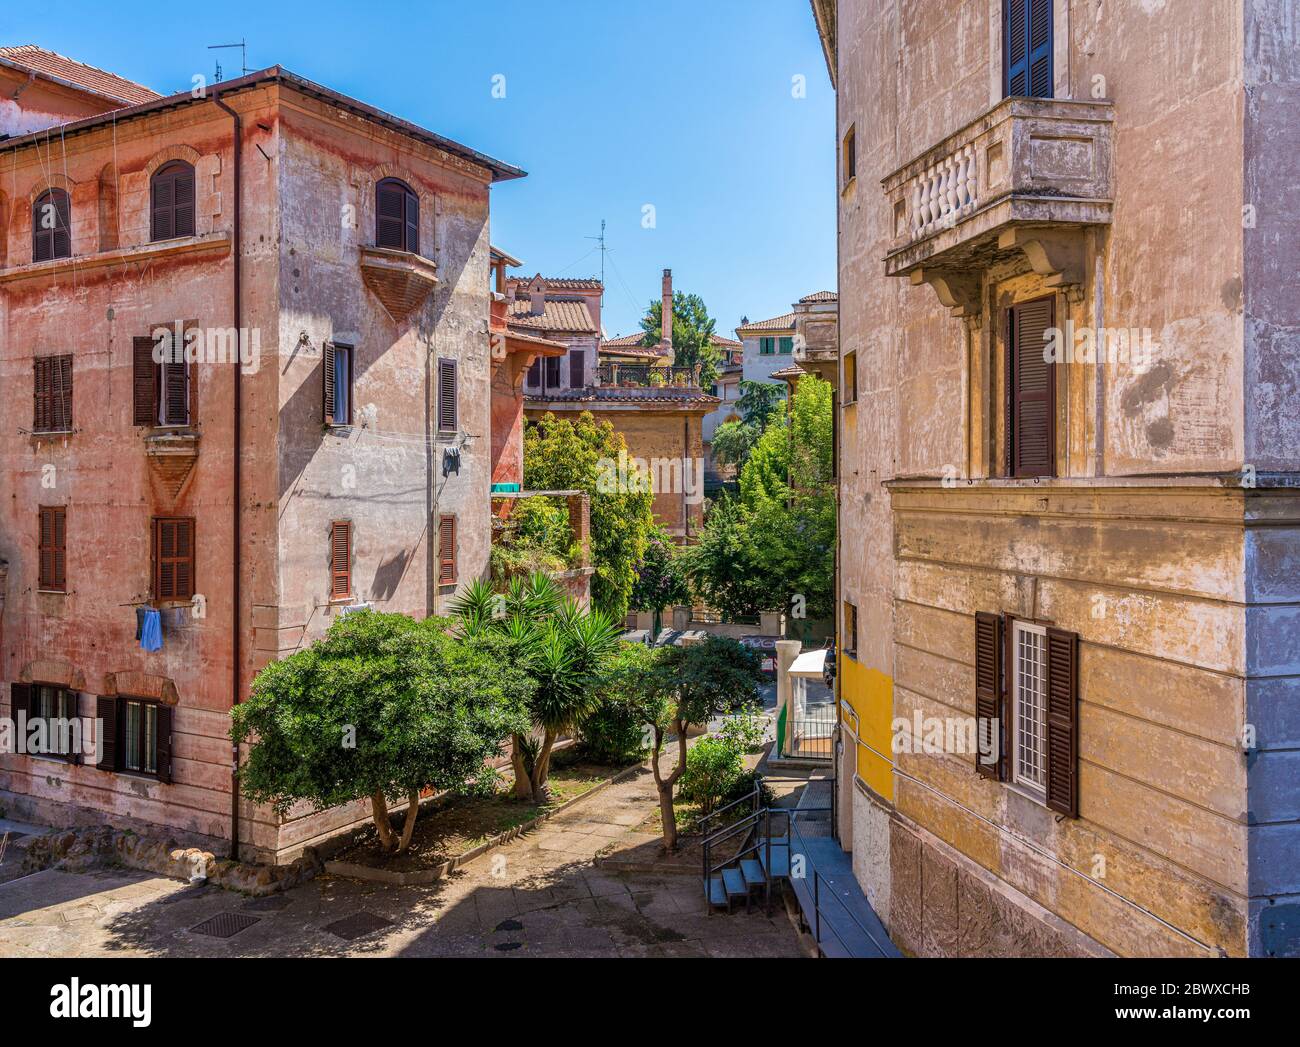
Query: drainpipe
235,530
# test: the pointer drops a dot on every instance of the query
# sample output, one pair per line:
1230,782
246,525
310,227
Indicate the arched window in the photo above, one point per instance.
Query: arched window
171,201
51,226
397,216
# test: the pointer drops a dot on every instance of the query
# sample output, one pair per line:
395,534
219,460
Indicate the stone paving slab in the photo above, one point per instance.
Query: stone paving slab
540,895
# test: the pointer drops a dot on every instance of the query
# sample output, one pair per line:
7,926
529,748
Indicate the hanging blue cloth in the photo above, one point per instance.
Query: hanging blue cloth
151,629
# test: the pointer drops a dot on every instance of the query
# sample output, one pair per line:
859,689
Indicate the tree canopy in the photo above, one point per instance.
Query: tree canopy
693,331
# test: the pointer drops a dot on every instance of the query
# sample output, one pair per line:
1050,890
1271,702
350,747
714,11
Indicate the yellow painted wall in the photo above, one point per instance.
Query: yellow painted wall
871,695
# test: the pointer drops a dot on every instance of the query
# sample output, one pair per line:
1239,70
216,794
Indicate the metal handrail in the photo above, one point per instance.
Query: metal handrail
817,878
751,798
748,823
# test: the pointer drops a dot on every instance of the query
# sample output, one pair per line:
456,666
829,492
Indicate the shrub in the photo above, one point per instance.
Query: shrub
712,767
746,731
616,731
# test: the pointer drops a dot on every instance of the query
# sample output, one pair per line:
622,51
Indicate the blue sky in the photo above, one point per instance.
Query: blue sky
610,105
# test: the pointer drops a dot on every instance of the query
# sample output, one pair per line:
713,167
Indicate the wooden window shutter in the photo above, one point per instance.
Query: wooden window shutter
163,743
577,365
329,387
446,550
535,373
144,382
175,386
1031,390
447,396
52,387
1027,42
173,558
171,201
390,215
51,226
106,742
340,559
1063,722
412,223
20,700
61,393
52,548
41,394
989,720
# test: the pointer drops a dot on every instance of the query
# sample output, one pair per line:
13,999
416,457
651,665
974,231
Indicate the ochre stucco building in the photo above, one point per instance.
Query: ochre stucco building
1094,564
346,459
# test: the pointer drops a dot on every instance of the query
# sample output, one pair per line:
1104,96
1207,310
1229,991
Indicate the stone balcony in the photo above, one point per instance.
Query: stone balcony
1026,177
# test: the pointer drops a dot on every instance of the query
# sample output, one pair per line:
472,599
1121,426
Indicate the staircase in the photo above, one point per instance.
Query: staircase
746,857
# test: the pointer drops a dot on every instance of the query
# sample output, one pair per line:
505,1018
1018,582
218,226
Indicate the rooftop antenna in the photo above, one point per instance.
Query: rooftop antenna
243,56
603,249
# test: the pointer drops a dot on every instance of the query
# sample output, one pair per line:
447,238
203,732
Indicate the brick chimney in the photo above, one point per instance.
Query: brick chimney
666,338
537,296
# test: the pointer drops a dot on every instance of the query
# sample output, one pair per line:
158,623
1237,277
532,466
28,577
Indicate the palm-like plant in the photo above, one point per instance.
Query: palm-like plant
563,647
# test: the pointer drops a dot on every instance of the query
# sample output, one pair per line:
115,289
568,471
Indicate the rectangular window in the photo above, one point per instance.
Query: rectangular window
767,346
57,707
850,156
446,550
448,397
577,368
161,387
338,384
787,345
534,380
1031,390
138,737
52,392
173,557
340,559
1027,48
1029,706
52,548
553,372
849,393
850,630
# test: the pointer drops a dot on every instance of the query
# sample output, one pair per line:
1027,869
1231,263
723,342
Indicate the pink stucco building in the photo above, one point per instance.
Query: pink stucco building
324,439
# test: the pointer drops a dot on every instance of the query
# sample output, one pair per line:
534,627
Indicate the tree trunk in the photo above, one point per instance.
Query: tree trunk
664,784
523,789
379,808
408,827
542,770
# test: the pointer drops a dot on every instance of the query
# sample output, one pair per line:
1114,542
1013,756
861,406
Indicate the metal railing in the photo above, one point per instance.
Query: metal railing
647,376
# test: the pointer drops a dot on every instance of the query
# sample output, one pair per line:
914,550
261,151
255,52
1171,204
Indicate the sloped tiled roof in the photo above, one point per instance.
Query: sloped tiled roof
793,371
559,316
608,394
819,296
560,283
777,323
86,77
627,341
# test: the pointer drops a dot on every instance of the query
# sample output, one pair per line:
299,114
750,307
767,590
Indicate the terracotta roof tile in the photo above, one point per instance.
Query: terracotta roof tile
819,296
793,371
560,283
777,323
86,77
614,394
559,316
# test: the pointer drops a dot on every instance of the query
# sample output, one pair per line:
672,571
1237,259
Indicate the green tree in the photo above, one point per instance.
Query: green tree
685,686
693,330
564,651
563,455
777,541
733,441
661,579
760,404
380,707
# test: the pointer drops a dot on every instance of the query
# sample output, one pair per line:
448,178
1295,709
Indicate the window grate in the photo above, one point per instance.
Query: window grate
1030,732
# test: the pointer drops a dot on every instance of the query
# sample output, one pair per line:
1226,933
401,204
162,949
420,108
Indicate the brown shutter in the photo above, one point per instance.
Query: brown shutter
161,202
1063,722
340,559
446,550
447,398
1031,385
183,192
390,215
106,741
328,386
175,386
144,382
412,223
61,393
20,700
577,364
52,544
173,558
41,395
163,744
989,724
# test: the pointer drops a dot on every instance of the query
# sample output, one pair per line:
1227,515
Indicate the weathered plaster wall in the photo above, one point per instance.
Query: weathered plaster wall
1188,631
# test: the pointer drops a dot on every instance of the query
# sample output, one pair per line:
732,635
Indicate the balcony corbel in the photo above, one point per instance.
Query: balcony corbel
1057,255
958,291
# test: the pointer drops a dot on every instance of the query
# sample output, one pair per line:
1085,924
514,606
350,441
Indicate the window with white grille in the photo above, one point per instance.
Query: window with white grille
1029,706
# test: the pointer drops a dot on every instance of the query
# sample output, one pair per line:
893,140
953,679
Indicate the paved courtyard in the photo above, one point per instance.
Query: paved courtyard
541,895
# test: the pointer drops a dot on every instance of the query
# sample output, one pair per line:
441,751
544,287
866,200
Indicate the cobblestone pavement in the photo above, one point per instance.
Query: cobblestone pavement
541,895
